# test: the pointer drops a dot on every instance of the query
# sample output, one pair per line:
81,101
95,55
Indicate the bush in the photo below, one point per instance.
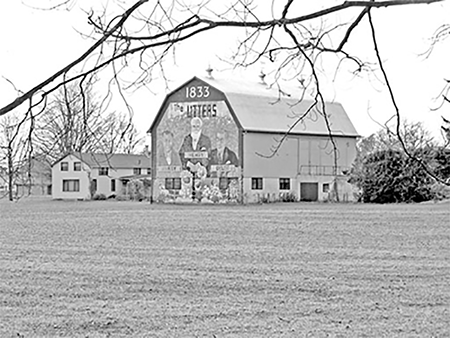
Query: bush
136,190
440,191
99,197
384,173
264,199
389,176
122,198
288,197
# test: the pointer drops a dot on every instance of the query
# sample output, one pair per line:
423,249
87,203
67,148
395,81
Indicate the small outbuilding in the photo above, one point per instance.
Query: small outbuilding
85,175
217,140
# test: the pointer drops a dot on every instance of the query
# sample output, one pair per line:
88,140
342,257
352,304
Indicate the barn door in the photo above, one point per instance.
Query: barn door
309,192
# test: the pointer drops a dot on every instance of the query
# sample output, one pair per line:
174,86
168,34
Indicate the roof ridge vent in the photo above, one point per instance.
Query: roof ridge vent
262,76
209,71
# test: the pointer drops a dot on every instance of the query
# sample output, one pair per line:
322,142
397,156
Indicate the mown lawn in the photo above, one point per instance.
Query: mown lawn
122,269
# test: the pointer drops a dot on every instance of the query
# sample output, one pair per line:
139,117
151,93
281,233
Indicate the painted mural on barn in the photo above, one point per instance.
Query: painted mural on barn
197,157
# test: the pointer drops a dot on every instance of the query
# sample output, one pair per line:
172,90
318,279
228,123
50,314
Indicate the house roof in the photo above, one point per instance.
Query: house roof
96,160
263,109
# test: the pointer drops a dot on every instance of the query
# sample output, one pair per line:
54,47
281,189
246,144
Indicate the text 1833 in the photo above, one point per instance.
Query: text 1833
197,92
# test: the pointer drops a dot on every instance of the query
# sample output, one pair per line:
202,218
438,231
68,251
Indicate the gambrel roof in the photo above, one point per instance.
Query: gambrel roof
259,108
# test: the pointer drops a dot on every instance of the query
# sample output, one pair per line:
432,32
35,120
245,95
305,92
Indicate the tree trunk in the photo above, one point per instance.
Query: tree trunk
10,175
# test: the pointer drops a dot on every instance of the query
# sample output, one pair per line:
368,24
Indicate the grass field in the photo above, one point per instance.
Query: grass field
122,269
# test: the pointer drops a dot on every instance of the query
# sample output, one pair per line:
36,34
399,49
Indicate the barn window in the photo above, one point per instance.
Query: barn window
64,166
285,183
76,166
257,183
71,185
103,171
173,183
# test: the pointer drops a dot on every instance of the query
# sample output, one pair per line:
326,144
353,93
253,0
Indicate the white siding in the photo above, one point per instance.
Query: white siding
58,176
104,182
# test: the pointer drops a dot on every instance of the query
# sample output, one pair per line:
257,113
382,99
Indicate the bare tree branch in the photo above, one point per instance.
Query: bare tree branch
28,95
398,133
187,29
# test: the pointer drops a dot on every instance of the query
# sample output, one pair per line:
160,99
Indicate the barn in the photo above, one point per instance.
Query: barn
221,140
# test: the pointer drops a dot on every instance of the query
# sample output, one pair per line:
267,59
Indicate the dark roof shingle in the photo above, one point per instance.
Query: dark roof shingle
116,161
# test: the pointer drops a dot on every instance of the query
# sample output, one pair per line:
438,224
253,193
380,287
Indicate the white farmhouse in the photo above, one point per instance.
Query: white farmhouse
83,175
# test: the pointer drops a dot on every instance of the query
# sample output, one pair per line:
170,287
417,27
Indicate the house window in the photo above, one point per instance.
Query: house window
71,185
64,166
149,171
136,171
285,183
173,183
113,185
103,171
257,183
76,166
326,187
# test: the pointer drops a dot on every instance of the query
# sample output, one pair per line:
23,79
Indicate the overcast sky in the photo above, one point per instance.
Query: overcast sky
35,43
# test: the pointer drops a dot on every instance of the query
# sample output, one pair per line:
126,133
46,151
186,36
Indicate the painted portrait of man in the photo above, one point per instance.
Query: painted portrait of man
222,154
196,147
167,154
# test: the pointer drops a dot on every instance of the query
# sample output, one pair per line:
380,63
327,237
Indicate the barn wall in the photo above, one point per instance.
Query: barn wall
260,161
307,161
208,170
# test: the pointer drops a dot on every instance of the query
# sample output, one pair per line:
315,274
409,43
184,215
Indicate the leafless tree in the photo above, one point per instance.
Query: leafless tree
15,154
119,135
146,33
75,121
